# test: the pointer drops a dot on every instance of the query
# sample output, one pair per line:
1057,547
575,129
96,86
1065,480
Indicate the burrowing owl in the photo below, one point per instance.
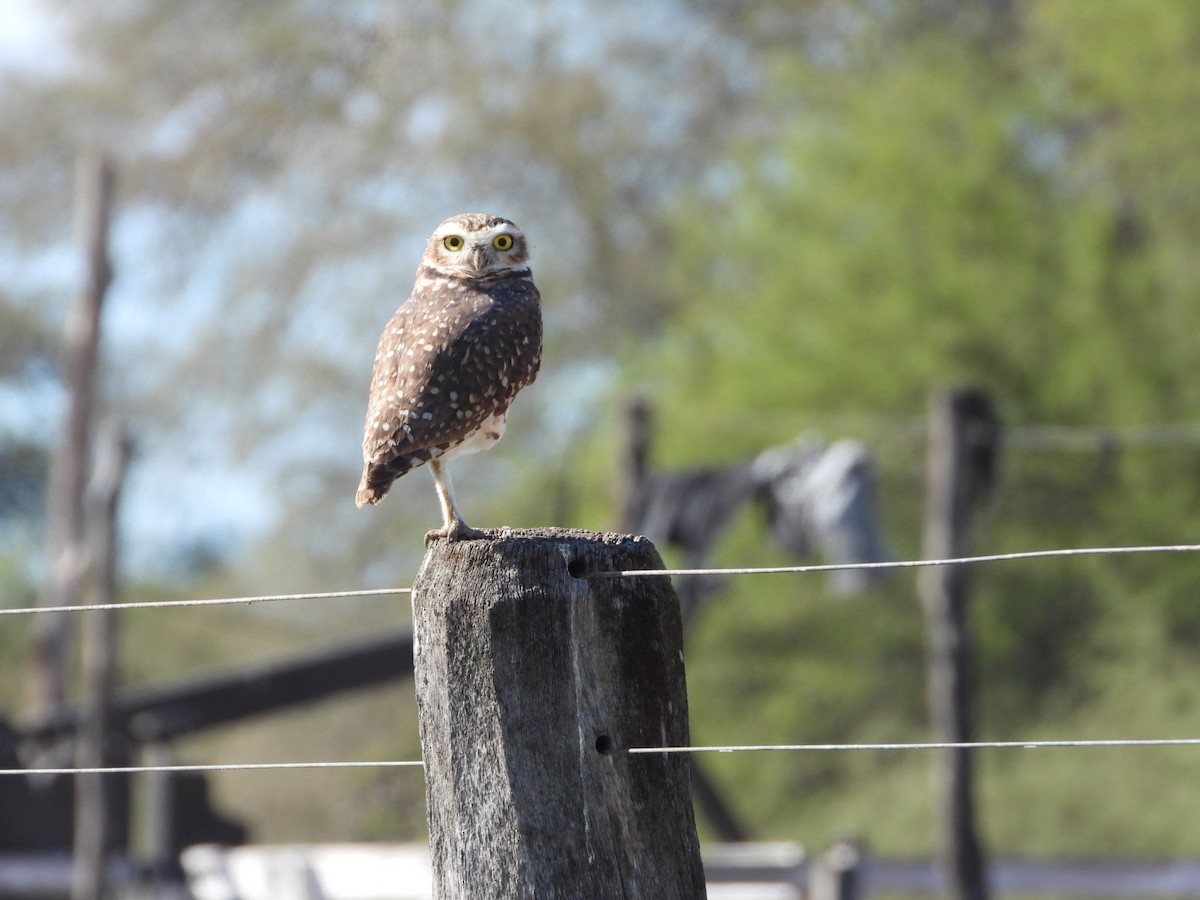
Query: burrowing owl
452,359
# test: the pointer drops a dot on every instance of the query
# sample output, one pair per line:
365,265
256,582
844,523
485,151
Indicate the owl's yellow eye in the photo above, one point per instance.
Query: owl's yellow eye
502,242
453,242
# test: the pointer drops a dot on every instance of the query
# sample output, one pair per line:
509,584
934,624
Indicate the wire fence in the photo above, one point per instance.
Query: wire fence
216,767
630,573
1103,743
1039,438
223,601
742,748
905,564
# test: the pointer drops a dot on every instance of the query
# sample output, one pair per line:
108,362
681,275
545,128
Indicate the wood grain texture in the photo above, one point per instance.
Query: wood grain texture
529,682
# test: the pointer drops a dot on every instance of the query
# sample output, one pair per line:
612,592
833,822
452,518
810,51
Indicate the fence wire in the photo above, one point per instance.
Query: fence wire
215,767
903,564
630,573
1114,743
931,745
742,748
223,601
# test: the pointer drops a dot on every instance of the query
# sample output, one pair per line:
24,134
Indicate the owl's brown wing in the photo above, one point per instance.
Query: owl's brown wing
447,362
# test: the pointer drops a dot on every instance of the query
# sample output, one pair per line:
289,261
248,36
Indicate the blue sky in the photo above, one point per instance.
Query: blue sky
201,475
29,37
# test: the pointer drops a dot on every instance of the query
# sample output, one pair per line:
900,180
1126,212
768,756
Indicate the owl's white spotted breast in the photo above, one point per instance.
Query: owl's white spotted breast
450,360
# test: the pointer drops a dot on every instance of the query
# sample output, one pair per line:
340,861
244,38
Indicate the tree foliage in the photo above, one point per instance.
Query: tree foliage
776,216
941,200
279,167
939,214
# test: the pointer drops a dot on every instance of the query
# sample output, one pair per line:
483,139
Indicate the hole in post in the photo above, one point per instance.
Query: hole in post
604,744
576,568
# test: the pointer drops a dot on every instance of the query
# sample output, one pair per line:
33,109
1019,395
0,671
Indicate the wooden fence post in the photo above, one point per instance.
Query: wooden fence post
531,679
837,873
635,460
93,815
66,550
634,476
963,442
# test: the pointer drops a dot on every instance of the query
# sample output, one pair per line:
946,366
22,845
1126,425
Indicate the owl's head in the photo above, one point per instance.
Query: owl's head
476,245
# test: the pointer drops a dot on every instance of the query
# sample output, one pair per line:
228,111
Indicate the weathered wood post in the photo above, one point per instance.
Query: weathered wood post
66,538
634,476
531,679
837,873
94,831
963,443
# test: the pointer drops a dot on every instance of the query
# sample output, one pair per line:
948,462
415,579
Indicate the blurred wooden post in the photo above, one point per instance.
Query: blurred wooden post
531,679
635,461
158,842
633,478
66,539
837,873
93,832
963,442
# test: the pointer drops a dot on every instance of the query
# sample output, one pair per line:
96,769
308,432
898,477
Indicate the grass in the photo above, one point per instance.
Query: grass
1130,681
311,806
375,723
1086,648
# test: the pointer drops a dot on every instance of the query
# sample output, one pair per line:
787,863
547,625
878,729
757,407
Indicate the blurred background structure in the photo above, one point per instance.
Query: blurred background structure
772,220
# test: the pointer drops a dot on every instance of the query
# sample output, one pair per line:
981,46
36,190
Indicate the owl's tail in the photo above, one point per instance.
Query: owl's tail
372,488
377,478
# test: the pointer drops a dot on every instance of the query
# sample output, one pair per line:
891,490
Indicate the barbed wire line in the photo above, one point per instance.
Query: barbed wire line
902,564
216,767
936,745
225,601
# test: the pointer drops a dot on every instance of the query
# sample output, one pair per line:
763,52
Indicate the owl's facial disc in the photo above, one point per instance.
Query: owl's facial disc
476,252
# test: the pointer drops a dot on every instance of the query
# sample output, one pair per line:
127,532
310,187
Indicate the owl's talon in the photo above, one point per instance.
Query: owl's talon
464,532
458,531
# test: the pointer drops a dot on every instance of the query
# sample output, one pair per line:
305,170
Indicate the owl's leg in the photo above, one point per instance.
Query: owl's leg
455,529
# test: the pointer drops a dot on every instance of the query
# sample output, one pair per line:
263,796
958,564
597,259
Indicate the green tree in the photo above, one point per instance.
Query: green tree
934,201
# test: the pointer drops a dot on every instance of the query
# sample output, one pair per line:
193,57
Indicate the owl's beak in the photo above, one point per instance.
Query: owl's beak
480,258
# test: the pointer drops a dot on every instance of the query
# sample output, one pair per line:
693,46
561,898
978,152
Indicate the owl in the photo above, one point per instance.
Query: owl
451,360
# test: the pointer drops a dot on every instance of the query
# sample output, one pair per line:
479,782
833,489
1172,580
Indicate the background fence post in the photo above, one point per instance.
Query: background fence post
530,681
66,539
837,873
963,442
94,833
635,476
